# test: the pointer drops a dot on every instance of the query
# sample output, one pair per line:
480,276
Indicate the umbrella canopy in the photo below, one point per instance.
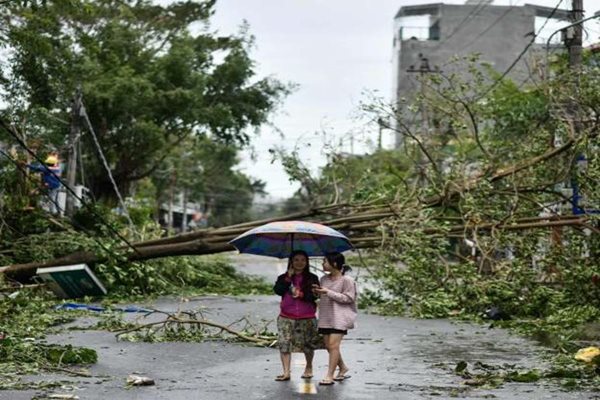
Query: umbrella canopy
279,239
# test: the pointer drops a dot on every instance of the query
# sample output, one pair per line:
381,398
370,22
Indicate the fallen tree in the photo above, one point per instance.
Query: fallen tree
429,203
366,230
363,224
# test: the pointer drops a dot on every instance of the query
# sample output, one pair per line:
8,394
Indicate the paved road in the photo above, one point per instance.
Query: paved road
390,358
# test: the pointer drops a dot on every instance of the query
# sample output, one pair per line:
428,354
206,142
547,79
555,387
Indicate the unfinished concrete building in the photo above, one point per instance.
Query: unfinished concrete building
428,36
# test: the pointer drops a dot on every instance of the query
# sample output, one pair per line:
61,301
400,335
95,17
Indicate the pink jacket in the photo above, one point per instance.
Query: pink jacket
302,307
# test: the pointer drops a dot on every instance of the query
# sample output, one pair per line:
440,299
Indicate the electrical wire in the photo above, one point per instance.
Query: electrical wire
486,30
80,162
99,217
89,233
506,72
224,194
52,200
105,163
462,23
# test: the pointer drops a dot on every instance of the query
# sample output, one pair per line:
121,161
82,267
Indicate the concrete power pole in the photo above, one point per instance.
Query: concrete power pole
380,126
576,42
424,68
71,170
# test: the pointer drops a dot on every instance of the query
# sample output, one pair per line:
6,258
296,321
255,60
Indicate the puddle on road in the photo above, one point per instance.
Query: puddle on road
306,388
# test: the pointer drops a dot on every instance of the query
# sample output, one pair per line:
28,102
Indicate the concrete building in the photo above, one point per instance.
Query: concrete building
428,36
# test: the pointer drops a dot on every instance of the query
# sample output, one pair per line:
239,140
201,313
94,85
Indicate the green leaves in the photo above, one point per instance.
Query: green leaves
68,354
24,321
149,79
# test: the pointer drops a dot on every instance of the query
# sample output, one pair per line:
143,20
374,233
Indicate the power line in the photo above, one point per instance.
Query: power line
463,23
497,81
105,163
52,200
70,190
73,222
486,30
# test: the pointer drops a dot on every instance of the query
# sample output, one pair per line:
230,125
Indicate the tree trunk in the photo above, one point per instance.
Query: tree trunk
23,272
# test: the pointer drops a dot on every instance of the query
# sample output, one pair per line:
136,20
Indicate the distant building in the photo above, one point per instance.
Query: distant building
427,36
182,215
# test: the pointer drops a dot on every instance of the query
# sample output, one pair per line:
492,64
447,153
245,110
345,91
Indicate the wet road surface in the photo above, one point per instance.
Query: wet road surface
390,358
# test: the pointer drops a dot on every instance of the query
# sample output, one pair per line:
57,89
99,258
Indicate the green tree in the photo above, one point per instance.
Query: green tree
379,176
480,205
151,77
204,172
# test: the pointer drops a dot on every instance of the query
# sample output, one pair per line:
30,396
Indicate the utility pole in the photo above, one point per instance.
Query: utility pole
171,199
74,133
380,125
184,221
424,68
573,38
576,41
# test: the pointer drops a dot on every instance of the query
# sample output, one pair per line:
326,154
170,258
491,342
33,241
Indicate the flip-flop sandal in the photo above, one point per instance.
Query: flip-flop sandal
306,376
281,378
342,378
326,383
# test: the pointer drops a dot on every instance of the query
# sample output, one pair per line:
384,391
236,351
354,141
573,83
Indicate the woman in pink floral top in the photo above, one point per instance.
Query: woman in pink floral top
337,312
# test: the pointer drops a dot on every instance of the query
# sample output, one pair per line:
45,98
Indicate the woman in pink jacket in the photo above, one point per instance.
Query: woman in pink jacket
337,312
297,323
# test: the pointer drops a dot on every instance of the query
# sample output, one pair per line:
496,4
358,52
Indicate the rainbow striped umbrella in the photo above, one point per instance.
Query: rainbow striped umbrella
279,239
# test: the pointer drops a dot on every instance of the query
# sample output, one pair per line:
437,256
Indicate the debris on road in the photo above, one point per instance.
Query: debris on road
587,354
192,326
72,281
81,306
138,380
63,396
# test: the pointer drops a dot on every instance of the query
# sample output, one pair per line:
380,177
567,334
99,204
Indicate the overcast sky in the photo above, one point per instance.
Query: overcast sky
335,51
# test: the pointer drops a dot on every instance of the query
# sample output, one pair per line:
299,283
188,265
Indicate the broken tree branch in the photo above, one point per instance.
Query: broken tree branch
171,319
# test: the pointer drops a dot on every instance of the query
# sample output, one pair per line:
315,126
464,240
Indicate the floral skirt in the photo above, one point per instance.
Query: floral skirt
298,335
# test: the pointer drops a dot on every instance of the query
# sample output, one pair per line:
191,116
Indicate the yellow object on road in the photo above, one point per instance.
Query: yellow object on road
587,354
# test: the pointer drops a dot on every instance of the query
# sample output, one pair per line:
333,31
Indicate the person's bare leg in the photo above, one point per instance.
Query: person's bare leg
308,370
286,361
343,368
333,347
326,340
